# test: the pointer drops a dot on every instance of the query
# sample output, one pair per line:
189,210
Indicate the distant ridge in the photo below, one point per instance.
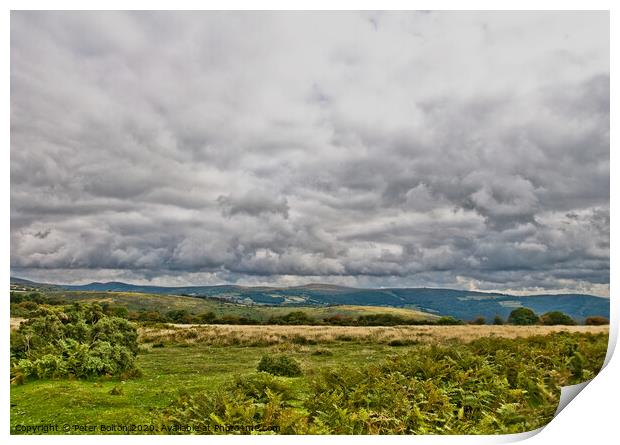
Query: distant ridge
465,305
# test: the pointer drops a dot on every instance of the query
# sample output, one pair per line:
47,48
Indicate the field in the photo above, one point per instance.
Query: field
134,301
190,369
373,335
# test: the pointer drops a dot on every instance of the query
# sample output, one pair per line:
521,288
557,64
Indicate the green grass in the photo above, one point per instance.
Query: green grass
167,372
163,303
446,378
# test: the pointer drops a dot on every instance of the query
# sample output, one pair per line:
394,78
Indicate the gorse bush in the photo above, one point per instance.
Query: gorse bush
78,340
488,386
282,365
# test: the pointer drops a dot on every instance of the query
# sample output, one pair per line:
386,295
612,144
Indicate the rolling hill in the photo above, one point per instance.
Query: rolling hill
461,304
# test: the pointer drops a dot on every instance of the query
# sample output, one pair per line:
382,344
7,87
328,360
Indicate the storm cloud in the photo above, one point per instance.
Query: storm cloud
449,149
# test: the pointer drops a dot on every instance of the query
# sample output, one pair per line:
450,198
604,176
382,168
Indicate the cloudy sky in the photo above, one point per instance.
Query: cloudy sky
466,150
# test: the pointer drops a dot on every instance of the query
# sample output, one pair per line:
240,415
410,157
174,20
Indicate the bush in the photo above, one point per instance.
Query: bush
448,321
340,320
282,365
207,317
293,318
596,321
479,321
181,316
78,340
556,318
523,316
302,340
498,320
381,320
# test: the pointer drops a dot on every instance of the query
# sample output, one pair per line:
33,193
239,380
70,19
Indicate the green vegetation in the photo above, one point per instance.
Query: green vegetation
523,317
201,310
198,310
488,386
282,365
373,378
556,318
78,341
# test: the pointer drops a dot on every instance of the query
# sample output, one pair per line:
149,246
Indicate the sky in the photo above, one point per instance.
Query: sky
466,150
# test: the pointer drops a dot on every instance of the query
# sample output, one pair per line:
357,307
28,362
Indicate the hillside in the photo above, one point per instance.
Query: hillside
461,304
135,301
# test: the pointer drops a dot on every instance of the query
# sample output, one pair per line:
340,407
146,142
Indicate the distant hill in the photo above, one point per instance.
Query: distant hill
465,305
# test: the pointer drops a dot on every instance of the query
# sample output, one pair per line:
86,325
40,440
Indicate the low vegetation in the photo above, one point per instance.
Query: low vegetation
375,376
188,312
256,336
489,386
282,365
72,341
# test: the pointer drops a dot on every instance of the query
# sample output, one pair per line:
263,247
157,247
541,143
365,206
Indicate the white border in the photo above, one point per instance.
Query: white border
591,419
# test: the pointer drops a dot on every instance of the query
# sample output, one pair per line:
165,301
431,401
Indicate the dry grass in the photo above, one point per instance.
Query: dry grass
224,335
16,321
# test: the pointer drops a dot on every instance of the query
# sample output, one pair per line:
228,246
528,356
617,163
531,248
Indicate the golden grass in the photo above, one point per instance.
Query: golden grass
245,335
16,321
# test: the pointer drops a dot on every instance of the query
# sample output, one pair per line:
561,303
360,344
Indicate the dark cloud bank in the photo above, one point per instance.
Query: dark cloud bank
465,150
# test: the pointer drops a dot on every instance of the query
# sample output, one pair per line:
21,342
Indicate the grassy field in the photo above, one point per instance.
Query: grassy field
227,335
188,360
134,301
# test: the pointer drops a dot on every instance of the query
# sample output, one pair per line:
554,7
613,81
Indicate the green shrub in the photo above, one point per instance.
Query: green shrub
293,318
78,340
282,365
498,320
523,316
302,340
556,318
448,321
344,337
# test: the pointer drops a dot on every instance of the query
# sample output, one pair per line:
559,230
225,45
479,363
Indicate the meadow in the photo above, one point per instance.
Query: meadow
391,380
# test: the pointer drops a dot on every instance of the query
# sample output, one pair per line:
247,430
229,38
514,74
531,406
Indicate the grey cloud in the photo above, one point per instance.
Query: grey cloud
463,149
253,203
